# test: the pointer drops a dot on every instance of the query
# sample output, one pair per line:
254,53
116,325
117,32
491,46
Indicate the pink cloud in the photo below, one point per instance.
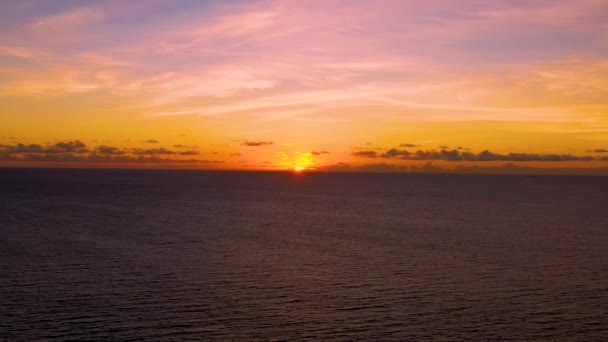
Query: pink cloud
67,20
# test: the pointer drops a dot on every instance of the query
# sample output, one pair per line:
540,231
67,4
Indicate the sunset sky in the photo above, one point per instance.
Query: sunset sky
402,85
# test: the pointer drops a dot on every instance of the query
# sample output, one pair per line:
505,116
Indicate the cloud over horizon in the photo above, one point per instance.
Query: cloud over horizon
457,155
429,167
76,151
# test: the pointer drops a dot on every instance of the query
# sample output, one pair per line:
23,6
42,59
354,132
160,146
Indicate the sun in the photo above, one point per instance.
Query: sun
298,168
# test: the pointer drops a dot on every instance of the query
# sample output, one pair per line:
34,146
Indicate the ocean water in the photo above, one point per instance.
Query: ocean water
190,255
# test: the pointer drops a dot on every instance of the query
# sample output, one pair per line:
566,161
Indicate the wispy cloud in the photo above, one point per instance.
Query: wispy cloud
65,21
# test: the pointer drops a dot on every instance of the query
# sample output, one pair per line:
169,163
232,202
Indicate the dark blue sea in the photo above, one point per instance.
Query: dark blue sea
126,255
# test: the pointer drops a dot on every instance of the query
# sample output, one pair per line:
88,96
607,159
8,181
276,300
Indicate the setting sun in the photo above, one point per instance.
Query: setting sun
298,168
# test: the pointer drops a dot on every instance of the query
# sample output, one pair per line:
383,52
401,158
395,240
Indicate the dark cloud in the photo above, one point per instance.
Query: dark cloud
188,153
109,150
429,167
98,158
76,151
183,146
79,147
377,167
453,155
235,154
21,148
366,154
151,141
318,153
600,150
75,146
256,143
456,155
394,153
408,145
151,151
443,147
490,156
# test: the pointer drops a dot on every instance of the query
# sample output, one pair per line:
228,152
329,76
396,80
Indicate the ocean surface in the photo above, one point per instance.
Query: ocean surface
190,255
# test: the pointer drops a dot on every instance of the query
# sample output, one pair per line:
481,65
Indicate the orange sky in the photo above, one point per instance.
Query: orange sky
422,86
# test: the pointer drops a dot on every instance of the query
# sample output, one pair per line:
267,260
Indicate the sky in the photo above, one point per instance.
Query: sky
500,86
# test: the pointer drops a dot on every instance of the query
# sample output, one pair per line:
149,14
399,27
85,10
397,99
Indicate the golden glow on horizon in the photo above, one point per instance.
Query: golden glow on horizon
298,168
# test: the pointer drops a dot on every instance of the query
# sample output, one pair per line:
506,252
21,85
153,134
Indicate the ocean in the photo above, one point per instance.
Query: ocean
156,255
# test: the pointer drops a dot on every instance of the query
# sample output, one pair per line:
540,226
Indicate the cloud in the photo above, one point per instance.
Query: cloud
188,153
151,141
395,153
600,150
21,148
17,52
257,143
366,154
408,145
318,153
75,146
139,151
109,150
227,81
76,151
225,56
456,155
66,20
429,167
97,158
